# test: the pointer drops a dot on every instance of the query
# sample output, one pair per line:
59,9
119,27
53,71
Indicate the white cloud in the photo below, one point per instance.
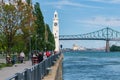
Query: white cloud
60,4
102,21
108,1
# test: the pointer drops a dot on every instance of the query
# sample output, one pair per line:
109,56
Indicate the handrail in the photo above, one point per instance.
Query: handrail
38,71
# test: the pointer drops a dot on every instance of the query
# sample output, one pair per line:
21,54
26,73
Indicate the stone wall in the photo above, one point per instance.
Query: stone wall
59,70
56,70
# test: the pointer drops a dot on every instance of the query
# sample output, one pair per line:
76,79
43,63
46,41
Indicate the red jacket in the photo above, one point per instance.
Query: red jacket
47,53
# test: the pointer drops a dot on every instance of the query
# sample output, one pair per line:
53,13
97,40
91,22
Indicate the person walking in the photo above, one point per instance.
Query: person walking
8,59
48,53
14,58
22,57
40,57
44,56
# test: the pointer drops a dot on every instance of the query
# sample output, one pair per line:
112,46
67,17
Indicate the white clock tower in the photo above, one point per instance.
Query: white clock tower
56,31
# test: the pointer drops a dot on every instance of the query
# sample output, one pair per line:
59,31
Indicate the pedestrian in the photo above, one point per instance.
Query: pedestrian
48,53
8,60
13,58
34,59
40,57
22,57
44,56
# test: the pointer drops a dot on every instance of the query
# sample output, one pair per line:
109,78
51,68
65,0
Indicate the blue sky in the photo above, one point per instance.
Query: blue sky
82,16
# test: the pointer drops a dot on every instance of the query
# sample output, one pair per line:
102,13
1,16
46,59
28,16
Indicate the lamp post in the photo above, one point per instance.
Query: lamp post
36,42
45,49
61,48
30,47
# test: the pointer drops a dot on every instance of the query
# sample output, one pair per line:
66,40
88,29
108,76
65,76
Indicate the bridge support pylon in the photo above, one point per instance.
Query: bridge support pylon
107,46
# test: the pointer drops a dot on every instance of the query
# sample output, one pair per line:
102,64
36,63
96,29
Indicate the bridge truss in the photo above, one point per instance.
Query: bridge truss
106,34
103,34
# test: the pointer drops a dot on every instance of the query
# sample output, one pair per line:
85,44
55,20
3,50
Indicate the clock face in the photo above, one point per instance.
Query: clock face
55,24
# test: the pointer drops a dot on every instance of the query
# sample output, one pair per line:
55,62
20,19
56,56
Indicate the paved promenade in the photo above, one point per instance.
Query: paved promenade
17,68
10,71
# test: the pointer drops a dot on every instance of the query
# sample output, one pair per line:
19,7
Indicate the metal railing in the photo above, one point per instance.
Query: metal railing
38,71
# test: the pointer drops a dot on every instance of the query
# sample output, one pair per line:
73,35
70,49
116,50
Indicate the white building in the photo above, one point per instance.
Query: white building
56,31
76,47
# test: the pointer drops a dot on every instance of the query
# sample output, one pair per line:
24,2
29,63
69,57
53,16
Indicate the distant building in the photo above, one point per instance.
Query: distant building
76,47
82,48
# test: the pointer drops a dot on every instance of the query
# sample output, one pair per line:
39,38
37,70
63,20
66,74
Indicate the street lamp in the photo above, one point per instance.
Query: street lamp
61,48
30,47
30,43
36,42
45,49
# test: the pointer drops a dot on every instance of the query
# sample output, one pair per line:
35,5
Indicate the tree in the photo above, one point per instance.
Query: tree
8,23
114,48
50,39
2,42
27,22
40,27
19,44
29,2
16,21
45,36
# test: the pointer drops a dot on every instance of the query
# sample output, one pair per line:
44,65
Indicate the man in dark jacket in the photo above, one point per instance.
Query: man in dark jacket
40,57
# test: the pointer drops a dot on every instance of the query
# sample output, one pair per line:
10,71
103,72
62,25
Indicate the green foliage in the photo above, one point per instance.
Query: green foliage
45,37
28,1
2,65
2,42
8,23
21,28
19,44
114,48
39,20
16,25
40,27
51,42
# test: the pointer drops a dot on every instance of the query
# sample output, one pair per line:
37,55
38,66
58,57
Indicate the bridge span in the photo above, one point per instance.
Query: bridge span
106,34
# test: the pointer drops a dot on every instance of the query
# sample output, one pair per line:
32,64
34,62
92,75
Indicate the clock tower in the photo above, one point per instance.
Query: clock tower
56,31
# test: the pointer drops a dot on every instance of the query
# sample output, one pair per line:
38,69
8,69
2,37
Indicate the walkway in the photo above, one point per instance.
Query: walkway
10,71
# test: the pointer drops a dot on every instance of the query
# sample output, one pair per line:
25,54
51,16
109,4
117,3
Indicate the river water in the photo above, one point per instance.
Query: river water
91,66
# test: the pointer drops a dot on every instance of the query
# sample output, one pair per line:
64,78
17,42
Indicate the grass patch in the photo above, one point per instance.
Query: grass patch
2,65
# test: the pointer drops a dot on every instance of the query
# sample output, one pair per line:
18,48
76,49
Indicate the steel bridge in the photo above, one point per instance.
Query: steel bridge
106,34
